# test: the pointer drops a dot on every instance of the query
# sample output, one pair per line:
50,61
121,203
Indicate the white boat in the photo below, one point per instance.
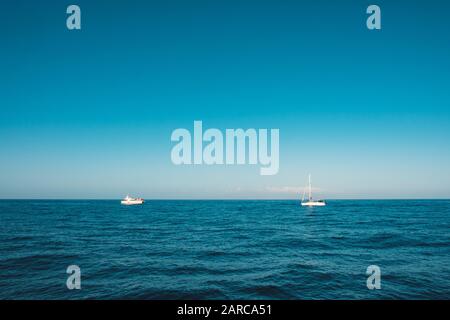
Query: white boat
310,202
128,201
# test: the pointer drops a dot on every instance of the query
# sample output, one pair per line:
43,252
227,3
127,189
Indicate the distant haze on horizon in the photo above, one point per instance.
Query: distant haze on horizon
88,114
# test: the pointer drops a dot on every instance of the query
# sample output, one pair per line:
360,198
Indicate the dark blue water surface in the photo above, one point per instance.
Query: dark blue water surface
224,249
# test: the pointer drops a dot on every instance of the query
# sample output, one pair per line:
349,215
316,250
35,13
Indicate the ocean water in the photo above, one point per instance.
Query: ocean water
224,249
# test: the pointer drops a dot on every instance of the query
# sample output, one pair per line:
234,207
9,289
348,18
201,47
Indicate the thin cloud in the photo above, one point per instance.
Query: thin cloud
290,190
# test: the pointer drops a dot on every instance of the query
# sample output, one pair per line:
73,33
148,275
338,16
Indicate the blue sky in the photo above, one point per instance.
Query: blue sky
89,113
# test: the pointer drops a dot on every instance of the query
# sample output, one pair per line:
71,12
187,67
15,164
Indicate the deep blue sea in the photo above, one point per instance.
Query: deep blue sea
224,249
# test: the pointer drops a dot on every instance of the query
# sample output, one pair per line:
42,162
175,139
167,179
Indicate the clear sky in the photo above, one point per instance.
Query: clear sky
89,113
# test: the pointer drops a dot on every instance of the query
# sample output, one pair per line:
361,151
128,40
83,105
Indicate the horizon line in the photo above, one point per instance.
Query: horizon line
213,199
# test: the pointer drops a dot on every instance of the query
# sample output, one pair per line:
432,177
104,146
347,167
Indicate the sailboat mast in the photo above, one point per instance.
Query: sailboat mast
310,197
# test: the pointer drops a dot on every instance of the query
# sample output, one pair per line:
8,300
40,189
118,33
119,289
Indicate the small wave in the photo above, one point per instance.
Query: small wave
269,291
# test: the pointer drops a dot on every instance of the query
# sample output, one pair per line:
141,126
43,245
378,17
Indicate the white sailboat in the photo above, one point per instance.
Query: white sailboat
310,202
129,201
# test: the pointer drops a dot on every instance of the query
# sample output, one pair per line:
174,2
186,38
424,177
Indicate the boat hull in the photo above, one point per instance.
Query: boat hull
131,202
313,204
